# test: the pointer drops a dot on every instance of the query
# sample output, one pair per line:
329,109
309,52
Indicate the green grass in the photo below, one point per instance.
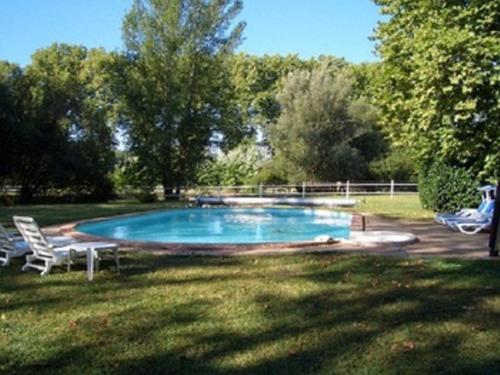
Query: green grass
303,314
309,314
400,207
62,213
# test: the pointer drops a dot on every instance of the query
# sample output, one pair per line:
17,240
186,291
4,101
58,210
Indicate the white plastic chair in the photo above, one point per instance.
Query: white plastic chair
14,246
11,247
43,251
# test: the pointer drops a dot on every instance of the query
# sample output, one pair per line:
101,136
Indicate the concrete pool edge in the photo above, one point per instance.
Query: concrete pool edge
357,228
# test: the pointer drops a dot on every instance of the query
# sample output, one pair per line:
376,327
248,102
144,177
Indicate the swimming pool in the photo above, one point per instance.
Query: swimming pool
224,226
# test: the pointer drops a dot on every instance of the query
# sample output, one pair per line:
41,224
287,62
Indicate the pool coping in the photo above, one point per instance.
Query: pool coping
70,230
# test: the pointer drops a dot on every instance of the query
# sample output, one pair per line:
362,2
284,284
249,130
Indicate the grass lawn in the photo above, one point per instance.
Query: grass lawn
400,207
311,314
62,213
302,314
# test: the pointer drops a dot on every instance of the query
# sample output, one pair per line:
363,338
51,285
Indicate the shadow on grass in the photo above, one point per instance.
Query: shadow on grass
303,315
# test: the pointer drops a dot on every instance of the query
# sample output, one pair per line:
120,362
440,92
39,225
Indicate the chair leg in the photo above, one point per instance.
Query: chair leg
27,265
48,267
97,260
5,261
8,257
117,260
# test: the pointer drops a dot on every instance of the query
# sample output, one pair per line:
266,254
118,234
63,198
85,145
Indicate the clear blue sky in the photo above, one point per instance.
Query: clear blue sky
306,27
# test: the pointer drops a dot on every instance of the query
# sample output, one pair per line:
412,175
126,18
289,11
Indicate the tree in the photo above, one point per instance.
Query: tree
64,134
175,90
314,137
258,79
439,85
236,167
11,80
92,135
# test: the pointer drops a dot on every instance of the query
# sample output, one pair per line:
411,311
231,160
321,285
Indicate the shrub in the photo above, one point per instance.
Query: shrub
145,196
237,167
269,175
446,188
398,165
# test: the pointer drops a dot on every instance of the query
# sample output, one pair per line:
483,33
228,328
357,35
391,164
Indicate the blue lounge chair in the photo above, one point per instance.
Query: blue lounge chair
471,226
486,212
487,205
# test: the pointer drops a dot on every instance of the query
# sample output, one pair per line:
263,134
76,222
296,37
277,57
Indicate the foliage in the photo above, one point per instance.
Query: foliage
236,167
258,79
174,86
319,135
439,84
11,81
60,132
146,196
270,174
397,165
446,188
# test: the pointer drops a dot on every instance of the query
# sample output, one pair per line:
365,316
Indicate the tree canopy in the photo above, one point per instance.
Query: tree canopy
174,85
190,110
438,87
57,122
314,139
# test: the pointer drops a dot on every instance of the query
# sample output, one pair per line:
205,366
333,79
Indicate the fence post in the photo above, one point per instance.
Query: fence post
347,187
392,189
303,189
260,191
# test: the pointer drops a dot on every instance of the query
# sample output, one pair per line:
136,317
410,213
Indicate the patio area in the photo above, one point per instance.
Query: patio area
434,239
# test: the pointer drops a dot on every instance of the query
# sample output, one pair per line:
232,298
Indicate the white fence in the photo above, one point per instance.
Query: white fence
341,189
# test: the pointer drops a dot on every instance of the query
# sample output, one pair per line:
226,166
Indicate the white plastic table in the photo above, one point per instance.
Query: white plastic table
93,250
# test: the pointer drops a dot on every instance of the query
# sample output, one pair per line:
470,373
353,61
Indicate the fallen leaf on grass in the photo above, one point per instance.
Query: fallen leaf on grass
73,324
409,345
405,345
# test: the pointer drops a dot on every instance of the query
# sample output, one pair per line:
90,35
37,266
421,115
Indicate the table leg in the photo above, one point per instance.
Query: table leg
90,264
117,260
97,261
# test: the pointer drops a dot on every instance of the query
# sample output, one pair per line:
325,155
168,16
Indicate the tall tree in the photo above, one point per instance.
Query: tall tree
439,85
175,88
258,79
64,138
320,124
11,94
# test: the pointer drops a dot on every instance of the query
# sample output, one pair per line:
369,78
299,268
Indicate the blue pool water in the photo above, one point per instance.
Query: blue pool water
224,225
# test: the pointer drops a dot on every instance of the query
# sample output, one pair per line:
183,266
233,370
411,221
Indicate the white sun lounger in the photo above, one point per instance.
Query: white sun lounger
11,247
14,246
47,254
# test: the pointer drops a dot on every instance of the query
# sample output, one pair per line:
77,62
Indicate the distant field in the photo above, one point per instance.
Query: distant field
61,213
401,207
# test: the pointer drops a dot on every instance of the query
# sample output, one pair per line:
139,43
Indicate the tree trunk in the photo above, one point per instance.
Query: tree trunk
167,192
26,194
495,225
